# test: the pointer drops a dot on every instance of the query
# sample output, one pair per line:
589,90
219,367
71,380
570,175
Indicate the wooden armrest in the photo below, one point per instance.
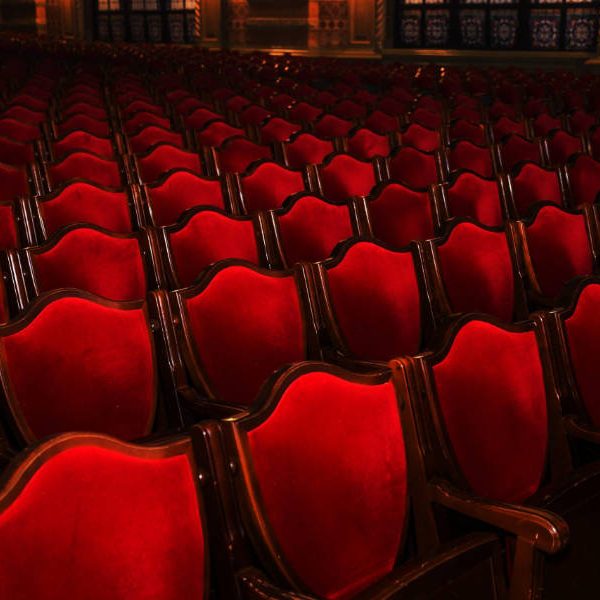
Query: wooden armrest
254,586
580,430
543,529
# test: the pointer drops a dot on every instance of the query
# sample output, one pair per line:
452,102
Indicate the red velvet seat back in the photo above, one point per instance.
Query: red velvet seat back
584,177
84,203
97,523
269,185
582,336
365,144
535,184
277,130
477,271
23,114
473,196
216,133
181,191
305,112
15,153
311,228
152,135
244,325
330,126
517,149
427,118
94,261
465,130
91,110
21,132
465,155
237,154
145,119
307,149
421,138
165,158
14,183
400,215
344,177
413,167
253,115
562,145
326,475
9,237
81,165
505,126
85,123
376,301
381,122
81,140
200,117
207,237
491,395
82,366
545,123
559,247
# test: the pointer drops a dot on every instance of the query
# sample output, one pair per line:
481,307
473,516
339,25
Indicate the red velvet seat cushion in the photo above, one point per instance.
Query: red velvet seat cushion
244,326
413,167
517,149
559,248
81,165
84,203
98,524
80,366
535,184
20,132
236,155
311,228
344,177
269,185
421,138
473,196
93,261
327,476
379,315
181,191
477,271
465,155
165,158
490,390
307,149
207,237
583,335
400,215
365,144
152,135
584,177
81,140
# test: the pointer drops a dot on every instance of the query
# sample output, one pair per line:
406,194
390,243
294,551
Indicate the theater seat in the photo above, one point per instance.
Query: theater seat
532,184
343,176
306,149
205,236
421,138
562,146
466,155
239,324
152,135
76,362
85,166
584,179
414,168
364,144
163,158
82,140
515,149
15,183
327,438
236,154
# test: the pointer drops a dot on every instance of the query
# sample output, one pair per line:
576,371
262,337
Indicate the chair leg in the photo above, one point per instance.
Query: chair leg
527,572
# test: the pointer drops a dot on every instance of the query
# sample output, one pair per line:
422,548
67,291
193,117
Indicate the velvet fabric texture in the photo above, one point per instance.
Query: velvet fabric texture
181,191
430,119
307,149
584,177
535,184
99,525
145,119
563,145
465,130
333,484
95,112
344,177
236,155
505,126
84,123
381,122
81,366
400,215
413,167
516,149
269,185
164,158
311,228
473,196
20,132
152,135
244,326
543,124
81,140
207,237
376,302
491,394
82,202
93,261
9,237
347,109
580,122
465,155
305,112
253,115
16,154
24,114
329,126
582,335
216,133
365,144
81,165
14,183
477,271
559,248
200,117
277,130
421,138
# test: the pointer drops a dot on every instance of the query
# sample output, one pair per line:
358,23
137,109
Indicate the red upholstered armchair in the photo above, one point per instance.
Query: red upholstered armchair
235,327
77,362
328,488
373,301
488,414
